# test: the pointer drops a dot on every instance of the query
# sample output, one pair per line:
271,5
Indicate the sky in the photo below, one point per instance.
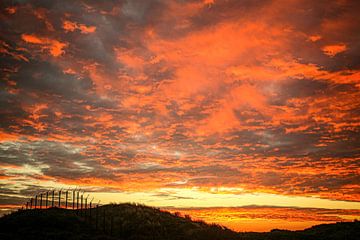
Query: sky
244,113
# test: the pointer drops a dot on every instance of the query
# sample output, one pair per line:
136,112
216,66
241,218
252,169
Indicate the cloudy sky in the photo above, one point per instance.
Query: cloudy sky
241,112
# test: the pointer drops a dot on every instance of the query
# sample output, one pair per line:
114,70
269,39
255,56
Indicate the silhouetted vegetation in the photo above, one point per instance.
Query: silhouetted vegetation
52,224
130,222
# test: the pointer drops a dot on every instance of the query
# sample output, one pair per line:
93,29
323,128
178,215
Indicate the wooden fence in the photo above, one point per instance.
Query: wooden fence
78,201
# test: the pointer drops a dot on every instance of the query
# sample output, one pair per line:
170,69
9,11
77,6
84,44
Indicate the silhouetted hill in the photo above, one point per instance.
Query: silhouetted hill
336,231
132,222
54,224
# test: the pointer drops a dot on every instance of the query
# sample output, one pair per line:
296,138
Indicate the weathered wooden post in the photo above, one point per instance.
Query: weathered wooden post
66,199
60,198
91,209
77,200
41,200
85,212
53,198
73,203
81,206
31,203
47,198
86,207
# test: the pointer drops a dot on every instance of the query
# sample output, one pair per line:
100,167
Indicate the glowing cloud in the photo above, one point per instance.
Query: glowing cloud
55,47
332,50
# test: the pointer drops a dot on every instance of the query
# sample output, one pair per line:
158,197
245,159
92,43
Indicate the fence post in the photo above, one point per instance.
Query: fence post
81,206
31,202
59,198
66,199
47,196
86,213
35,201
53,198
40,200
77,200
73,199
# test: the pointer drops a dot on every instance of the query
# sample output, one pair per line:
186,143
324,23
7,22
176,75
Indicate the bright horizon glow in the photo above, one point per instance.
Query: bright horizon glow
204,199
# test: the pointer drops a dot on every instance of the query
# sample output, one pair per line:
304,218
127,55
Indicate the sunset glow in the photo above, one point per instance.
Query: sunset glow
242,113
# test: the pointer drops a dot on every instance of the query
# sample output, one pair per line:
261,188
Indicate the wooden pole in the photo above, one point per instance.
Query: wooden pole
31,203
53,198
59,198
66,199
35,201
47,198
41,200
73,199
86,206
81,206
77,200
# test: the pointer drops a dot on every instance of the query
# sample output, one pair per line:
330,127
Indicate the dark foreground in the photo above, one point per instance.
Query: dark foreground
128,221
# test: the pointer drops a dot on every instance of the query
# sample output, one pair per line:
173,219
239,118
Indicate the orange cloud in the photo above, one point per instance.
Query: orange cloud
8,137
7,49
130,59
69,26
239,98
332,50
55,47
314,38
11,10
